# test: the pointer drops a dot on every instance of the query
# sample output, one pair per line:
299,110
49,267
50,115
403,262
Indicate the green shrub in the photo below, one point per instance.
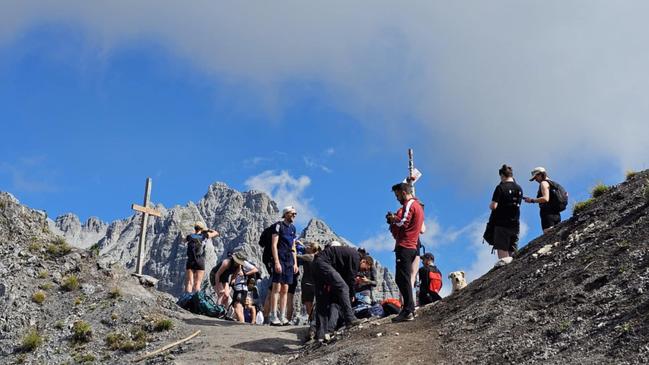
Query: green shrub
78,300
598,190
70,283
81,331
38,297
59,325
45,286
114,340
32,340
94,249
163,324
115,292
43,274
58,247
630,174
119,341
581,206
84,358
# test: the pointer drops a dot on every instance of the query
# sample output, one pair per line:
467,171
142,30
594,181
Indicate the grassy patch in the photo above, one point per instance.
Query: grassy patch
78,300
84,358
630,174
135,340
59,325
115,292
581,206
81,332
34,246
70,283
599,190
163,324
38,297
46,286
31,340
564,326
58,247
43,274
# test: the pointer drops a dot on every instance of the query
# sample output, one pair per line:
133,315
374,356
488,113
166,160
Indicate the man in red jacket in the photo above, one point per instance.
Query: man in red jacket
405,226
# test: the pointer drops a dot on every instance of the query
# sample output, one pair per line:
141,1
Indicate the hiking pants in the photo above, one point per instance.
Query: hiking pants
405,257
325,274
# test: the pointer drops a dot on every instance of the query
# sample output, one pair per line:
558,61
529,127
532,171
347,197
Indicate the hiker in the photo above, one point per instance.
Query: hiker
335,270
504,220
239,283
365,282
284,265
430,280
221,273
249,311
405,226
195,266
550,213
308,285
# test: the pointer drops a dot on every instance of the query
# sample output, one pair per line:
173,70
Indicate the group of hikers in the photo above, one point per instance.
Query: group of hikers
338,281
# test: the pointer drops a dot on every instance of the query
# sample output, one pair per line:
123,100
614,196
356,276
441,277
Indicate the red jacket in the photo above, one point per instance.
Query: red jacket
407,227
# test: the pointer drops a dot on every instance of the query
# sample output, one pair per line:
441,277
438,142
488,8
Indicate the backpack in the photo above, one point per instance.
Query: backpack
265,241
391,306
204,304
431,282
199,246
558,197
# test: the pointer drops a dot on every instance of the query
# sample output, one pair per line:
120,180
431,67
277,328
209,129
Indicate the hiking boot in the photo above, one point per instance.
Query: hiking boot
404,317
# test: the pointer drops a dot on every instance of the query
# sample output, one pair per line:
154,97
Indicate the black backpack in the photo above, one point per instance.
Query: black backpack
266,241
199,247
558,197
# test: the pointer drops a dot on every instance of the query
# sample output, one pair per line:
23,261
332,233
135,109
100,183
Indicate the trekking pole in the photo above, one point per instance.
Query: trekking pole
411,168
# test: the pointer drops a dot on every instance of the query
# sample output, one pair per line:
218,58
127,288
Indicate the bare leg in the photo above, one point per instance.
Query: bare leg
415,270
289,306
198,279
238,312
502,254
309,309
189,277
273,298
283,294
269,295
253,315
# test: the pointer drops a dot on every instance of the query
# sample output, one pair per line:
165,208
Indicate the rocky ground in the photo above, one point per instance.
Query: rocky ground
577,295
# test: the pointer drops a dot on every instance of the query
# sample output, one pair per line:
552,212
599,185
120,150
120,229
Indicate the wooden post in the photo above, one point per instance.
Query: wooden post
146,211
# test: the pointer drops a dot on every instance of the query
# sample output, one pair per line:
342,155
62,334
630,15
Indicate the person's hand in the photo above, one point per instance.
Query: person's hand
528,200
278,268
295,269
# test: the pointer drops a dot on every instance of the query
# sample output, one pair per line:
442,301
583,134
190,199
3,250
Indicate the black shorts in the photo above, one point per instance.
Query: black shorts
550,220
239,296
308,293
225,276
292,287
505,238
195,264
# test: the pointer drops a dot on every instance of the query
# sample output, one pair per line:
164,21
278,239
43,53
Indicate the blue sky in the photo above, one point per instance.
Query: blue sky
318,107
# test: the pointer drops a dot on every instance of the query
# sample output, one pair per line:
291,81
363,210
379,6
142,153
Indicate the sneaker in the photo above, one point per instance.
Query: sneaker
404,317
504,261
284,322
274,321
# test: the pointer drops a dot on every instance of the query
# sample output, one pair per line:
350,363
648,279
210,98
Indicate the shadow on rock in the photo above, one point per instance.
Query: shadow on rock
270,345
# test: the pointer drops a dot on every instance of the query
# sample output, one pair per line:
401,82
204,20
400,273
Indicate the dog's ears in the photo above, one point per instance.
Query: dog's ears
450,276
462,272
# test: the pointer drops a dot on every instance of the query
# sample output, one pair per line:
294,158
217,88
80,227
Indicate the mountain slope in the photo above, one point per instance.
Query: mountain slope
585,301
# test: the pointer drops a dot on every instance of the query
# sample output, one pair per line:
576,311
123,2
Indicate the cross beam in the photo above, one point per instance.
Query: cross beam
146,211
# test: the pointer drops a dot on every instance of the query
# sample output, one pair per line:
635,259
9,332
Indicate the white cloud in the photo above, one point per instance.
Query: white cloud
488,80
312,163
285,190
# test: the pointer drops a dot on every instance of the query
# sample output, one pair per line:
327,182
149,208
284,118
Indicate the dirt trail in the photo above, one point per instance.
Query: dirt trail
227,342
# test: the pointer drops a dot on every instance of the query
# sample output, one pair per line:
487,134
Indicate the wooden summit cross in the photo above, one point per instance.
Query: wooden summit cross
146,211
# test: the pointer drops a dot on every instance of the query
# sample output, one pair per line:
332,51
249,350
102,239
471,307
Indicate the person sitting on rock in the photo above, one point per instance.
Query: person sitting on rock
365,282
220,275
239,283
430,280
249,311
195,266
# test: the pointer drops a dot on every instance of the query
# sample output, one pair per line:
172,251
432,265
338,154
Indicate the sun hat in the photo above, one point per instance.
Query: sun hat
239,257
199,226
536,171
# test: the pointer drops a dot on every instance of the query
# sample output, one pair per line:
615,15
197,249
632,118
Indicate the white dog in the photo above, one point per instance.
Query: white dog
458,280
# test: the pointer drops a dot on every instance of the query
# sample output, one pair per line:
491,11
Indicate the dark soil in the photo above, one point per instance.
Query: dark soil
584,302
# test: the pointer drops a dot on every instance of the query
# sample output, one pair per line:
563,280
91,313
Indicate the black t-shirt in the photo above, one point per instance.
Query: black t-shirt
508,195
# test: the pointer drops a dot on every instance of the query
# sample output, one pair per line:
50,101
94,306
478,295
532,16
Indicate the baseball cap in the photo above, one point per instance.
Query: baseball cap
288,209
334,244
536,171
428,255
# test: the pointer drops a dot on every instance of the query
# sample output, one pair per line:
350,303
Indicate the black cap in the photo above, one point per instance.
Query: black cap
428,255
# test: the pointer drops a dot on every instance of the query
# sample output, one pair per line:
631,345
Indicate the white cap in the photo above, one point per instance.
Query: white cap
334,244
536,171
288,209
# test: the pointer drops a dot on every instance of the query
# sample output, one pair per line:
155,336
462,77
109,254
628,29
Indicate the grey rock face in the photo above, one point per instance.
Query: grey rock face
240,217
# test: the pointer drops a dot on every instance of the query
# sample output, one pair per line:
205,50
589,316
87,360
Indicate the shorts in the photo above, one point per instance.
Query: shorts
550,220
293,286
505,238
286,276
223,279
308,293
239,296
195,264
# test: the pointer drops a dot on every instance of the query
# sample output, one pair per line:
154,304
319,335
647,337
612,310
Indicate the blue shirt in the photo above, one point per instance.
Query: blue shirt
287,236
